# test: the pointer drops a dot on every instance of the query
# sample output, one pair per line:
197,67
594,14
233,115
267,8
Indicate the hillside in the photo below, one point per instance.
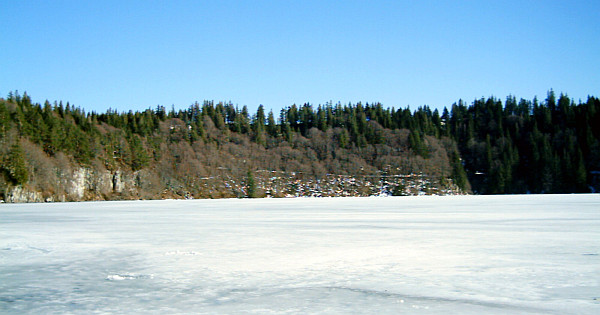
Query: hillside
58,152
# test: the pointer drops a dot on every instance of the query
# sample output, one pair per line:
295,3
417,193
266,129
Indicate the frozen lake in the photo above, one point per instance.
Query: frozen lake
423,255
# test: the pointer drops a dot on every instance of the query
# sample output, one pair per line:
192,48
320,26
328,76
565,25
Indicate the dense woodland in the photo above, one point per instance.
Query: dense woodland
487,147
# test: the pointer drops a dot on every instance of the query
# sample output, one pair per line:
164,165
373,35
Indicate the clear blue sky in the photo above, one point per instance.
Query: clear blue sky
138,54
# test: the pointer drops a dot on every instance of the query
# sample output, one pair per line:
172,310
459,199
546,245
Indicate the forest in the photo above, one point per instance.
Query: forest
61,152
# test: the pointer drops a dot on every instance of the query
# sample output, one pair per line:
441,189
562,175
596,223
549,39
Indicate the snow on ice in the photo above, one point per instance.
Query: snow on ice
534,254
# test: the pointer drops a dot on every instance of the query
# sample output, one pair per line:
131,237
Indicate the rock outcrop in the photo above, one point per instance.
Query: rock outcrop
21,194
82,184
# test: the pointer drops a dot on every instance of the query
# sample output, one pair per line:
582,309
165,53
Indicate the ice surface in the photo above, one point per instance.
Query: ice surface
424,255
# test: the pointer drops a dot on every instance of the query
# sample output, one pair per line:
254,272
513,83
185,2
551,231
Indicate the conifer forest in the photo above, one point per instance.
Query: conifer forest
59,152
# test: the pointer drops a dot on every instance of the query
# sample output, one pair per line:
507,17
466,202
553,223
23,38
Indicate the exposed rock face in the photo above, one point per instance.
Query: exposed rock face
123,182
117,183
20,194
82,184
97,182
78,184
89,184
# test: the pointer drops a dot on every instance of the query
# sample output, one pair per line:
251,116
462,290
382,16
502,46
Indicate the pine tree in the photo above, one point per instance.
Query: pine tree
139,157
250,185
258,126
4,119
458,172
417,144
272,128
15,166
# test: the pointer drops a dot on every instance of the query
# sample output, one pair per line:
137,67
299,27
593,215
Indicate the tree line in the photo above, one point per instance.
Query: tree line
491,146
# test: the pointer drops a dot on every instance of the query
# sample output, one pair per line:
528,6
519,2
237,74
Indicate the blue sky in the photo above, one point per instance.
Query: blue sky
132,55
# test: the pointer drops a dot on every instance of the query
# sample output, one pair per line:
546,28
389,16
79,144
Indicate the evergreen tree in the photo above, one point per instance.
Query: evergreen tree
272,128
250,185
4,119
15,166
139,157
458,172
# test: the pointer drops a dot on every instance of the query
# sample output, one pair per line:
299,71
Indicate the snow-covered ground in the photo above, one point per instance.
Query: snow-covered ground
424,255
